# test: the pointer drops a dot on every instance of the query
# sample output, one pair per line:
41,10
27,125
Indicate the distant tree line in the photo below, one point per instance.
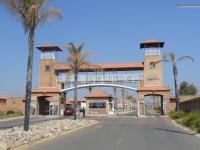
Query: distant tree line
187,89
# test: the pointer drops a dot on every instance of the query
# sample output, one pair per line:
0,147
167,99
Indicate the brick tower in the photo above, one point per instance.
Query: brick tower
47,61
152,84
153,69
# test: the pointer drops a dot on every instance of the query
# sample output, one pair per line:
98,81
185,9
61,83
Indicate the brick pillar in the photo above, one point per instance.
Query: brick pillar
141,108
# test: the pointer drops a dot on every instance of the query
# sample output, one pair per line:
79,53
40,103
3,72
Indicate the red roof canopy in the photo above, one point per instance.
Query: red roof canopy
49,48
151,43
129,65
98,93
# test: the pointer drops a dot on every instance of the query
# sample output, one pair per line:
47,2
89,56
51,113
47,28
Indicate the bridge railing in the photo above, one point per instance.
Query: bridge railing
83,79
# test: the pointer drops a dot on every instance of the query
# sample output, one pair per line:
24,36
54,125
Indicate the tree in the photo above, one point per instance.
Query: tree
30,13
187,89
123,93
131,99
76,60
171,57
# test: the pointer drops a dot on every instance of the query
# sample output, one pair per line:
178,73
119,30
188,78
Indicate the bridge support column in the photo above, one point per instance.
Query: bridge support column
141,108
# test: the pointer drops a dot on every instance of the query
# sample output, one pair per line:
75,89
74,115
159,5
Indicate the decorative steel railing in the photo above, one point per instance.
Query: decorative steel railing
100,78
150,51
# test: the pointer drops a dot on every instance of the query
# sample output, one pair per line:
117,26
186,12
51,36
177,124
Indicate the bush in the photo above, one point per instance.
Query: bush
177,114
192,120
2,113
196,124
19,113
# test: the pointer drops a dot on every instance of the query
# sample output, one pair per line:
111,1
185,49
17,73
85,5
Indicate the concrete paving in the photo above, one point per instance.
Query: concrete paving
149,133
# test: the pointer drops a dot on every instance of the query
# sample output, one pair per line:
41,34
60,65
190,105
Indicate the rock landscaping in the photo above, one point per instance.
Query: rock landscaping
16,136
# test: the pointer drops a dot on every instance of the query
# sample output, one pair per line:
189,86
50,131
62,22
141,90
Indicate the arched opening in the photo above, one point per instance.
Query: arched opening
43,105
117,104
153,105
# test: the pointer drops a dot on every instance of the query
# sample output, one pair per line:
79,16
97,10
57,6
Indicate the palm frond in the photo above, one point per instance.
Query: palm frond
77,58
159,61
49,15
171,57
13,6
80,47
30,12
185,58
71,47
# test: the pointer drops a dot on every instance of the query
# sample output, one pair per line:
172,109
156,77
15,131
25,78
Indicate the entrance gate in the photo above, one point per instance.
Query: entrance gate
153,105
146,78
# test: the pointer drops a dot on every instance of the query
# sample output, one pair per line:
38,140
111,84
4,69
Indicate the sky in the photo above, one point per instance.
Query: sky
113,28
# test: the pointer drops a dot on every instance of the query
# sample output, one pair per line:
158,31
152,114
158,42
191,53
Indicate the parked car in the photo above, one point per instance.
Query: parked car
69,111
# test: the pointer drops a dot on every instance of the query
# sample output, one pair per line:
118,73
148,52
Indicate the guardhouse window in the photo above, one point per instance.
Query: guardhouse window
152,65
47,68
97,105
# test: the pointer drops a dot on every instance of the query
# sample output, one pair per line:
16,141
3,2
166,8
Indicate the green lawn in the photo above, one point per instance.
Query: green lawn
3,115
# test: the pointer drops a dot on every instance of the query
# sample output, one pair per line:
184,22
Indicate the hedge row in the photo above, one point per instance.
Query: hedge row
191,120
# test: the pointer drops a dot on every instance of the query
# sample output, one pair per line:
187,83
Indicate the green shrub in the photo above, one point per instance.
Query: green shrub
2,113
191,120
196,124
19,113
177,114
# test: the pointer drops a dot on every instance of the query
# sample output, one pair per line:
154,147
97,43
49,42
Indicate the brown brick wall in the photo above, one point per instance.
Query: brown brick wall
15,104
47,77
35,96
97,110
191,105
172,104
153,76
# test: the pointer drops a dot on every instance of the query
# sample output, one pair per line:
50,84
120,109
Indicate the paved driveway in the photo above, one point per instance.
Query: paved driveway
129,133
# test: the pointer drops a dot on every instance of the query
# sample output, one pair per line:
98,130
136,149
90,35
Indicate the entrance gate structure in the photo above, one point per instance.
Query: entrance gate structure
146,78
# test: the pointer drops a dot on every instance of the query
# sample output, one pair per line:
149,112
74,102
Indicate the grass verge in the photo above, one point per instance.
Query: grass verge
4,115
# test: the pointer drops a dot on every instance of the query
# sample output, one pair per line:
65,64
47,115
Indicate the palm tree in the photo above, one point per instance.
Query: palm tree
132,100
76,60
30,13
123,93
172,58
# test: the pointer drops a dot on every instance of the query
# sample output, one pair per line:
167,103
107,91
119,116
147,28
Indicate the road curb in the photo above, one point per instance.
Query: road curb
190,131
11,118
26,146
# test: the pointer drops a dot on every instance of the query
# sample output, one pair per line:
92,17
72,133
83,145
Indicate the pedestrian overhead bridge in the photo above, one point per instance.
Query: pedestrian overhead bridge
99,85
122,75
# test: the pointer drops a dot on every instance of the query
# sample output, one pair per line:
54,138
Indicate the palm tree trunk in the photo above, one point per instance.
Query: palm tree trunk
161,106
75,94
31,37
176,89
63,96
123,99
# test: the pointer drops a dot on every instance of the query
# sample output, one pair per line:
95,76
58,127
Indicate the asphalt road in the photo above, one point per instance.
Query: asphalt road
20,121
153,133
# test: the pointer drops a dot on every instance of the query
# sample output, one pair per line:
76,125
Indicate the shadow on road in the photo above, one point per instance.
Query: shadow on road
166,130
